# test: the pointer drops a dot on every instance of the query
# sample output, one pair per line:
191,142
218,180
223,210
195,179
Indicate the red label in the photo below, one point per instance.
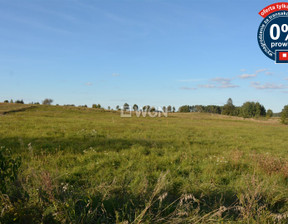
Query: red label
283,56
280,6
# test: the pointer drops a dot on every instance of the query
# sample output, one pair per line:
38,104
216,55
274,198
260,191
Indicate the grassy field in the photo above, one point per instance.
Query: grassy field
12,107
82,165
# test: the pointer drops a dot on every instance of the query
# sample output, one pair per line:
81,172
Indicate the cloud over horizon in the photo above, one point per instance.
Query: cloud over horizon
223,83
258,85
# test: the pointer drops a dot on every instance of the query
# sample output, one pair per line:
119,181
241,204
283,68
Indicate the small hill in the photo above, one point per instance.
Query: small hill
13,107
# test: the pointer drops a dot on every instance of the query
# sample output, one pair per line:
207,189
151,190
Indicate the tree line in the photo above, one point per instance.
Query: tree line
247,110
146,108
44,102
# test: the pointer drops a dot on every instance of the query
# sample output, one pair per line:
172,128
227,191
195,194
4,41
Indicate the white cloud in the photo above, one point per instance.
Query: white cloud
258,85
247,76
88,84
187,88
115,74
224,83
191,80
220,83
253,75
221,80
261,70
225,86
207,86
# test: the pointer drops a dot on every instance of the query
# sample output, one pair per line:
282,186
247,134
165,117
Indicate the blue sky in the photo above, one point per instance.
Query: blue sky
145,52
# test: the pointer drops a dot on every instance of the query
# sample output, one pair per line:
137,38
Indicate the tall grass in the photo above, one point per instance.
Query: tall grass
81,165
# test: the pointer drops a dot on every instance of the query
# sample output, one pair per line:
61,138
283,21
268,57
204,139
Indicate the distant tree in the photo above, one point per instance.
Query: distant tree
230,102
6,101
47,102
117,107
97,106
109,108
135,107
173,109
144,108
247,110
200,108
237,111
228,108
284,115
19,101
11,101
269,113
164,109
184,109
126,107
259,110
252,109
212,109
169,108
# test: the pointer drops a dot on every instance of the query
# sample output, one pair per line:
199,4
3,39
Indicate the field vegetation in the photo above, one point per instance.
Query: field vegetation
62,164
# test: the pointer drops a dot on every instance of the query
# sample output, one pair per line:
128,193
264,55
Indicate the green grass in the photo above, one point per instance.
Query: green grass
84,165
12,107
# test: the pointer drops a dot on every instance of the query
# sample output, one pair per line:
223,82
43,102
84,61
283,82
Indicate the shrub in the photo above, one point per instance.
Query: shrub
284,115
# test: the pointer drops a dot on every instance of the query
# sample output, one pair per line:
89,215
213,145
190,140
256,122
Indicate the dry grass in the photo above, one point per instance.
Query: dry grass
272,165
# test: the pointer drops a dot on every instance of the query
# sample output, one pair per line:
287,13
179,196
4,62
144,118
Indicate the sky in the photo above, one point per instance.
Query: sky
155,52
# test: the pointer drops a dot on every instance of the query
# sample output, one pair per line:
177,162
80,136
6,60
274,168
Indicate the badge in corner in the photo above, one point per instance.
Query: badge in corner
273,32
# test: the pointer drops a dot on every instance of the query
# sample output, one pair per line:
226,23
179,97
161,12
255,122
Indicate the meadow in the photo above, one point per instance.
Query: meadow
82,165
